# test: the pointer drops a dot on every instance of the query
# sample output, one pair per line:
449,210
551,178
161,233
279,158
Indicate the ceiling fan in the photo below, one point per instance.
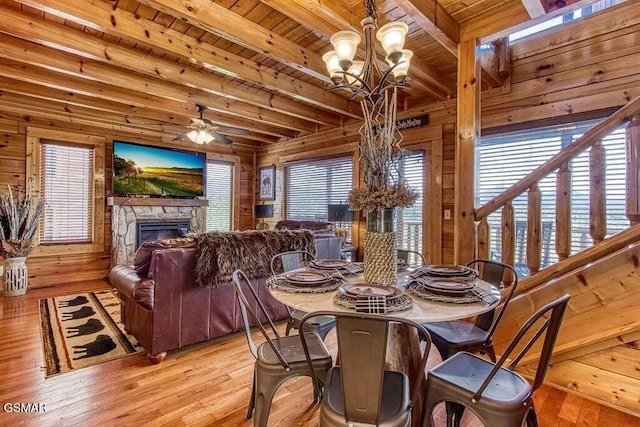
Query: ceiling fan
204,131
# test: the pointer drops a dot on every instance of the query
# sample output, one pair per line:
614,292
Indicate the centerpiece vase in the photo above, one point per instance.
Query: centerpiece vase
15,277
380,251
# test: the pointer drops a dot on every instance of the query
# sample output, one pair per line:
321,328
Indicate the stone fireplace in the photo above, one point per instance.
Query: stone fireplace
156,217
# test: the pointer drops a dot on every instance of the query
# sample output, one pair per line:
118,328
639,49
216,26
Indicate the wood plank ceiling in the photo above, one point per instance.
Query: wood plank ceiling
142,66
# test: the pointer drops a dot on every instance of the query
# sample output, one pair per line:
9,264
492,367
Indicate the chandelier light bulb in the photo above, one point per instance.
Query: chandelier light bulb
401,70
333,66
391,36
345,44
356,70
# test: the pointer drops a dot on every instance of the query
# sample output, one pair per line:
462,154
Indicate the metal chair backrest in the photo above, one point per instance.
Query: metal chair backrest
550,325
362,344
287,261
493,272
405,254
240,283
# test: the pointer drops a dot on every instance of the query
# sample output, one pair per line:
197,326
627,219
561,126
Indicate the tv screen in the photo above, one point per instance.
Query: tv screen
152,171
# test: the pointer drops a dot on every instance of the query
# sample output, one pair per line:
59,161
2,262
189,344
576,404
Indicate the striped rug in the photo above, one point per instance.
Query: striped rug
82,330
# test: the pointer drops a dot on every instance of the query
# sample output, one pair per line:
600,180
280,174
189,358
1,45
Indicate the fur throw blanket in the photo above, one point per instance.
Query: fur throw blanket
218,254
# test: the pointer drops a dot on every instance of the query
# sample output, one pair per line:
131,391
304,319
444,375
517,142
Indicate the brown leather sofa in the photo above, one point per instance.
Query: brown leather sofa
165,310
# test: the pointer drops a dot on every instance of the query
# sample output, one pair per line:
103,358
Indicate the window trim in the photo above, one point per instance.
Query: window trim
235,180
97,143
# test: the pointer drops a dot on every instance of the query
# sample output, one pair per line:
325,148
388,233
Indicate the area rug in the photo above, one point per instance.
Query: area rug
83,330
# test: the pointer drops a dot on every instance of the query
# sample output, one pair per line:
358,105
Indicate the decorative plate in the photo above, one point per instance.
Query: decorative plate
448,286
449,270
330,263
306,278
366,289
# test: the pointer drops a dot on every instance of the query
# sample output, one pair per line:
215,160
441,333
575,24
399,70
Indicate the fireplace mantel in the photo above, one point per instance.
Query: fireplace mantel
155,201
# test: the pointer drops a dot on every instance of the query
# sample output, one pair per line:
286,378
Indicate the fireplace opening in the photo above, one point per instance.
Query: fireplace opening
150,231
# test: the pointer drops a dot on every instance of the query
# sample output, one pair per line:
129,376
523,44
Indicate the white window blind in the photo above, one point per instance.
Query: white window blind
409,220
504,159
313,184
220,195
67,185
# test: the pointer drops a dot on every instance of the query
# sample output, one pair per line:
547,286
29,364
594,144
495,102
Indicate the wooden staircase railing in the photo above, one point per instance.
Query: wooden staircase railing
597,201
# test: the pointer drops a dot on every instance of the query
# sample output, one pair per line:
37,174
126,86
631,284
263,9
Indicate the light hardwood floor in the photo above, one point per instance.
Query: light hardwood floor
206,384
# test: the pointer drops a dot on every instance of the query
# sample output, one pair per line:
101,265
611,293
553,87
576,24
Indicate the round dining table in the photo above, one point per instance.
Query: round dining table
403,350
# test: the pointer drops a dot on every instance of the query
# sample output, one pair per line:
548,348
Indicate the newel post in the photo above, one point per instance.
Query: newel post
563,212
597,192
633,171
534,225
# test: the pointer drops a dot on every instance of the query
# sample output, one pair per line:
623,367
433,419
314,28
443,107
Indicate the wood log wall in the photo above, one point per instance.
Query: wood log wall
586,66
49,270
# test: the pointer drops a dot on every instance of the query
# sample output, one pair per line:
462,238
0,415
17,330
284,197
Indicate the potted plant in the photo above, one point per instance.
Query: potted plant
20,214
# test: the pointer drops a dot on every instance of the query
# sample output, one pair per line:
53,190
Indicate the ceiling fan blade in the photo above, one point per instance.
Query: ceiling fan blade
236,131
179,137
220,137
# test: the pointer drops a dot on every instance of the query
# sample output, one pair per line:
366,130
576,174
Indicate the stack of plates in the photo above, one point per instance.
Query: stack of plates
449,271
372,298
328,264
306,278
446,271
447,286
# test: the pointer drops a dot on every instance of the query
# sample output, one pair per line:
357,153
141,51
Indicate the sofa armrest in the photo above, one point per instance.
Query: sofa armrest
140,289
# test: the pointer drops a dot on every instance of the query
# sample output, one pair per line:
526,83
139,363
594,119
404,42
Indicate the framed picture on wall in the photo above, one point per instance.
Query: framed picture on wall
267,182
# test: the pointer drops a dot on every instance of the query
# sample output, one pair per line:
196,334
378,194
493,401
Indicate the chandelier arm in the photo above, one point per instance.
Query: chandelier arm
366,86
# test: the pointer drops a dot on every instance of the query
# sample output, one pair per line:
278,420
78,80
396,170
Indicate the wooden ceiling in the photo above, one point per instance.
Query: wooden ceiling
141,67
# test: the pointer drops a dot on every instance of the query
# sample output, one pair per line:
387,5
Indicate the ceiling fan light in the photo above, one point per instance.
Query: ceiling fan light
345,44
333,66
392,36
200,136
401,70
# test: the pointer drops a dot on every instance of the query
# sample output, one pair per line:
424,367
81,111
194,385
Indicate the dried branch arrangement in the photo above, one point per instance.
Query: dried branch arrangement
19,214
380,153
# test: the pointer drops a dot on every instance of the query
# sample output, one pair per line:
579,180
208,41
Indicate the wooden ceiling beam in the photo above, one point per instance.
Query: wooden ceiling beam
45,57
231,26
89,46
118,22
99,90
80,114
325,20
435,20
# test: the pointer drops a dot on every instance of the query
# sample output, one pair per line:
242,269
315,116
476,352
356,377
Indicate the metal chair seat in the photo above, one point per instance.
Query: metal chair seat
393,405
287,261
458,335
278,358
321,325
497,395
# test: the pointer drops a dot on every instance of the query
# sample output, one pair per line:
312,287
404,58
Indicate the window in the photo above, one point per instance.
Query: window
504,159
69,171
409,220
313,184
220,195
67,183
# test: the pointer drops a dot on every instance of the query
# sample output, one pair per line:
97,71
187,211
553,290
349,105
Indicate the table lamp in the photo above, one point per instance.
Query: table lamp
262,212
340,213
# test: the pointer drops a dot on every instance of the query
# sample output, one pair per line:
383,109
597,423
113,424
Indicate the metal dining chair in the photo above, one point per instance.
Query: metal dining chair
497,395
287,261
406,254
279,358
359,391
457,335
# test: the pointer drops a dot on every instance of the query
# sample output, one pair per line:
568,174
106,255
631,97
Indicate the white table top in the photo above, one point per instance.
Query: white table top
422,310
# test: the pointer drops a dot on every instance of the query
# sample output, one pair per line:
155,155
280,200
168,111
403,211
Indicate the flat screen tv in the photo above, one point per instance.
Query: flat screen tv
153,171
